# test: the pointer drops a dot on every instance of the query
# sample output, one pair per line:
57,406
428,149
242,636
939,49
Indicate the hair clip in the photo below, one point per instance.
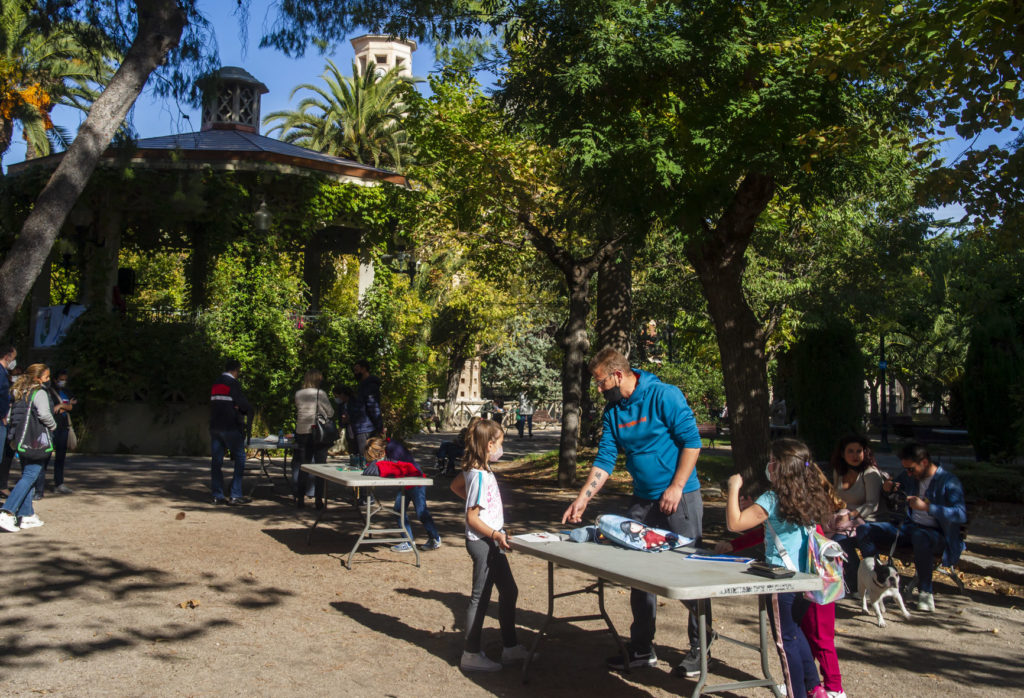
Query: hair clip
807,464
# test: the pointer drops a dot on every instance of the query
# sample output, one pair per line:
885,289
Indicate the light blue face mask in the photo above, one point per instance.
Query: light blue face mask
11,366
768,472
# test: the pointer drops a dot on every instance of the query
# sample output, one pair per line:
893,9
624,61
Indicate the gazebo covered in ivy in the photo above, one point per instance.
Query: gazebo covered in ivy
224,189
197,191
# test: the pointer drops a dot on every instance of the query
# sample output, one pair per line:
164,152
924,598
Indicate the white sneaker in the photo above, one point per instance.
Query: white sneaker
478,661
8,522
515,654
30,521
837,694
925,602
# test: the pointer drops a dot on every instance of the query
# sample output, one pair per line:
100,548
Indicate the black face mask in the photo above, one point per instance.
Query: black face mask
613,394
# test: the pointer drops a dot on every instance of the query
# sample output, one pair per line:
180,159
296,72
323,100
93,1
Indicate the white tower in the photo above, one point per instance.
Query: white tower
381,53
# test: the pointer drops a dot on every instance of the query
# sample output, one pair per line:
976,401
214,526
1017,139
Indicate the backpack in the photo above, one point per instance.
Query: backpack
31,439
637,536
824,558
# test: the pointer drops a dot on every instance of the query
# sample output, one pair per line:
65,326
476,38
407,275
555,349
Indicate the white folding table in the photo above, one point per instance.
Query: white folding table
353,477
264,446
672,575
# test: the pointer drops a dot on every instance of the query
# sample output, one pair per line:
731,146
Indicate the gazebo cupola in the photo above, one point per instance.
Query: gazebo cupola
232,101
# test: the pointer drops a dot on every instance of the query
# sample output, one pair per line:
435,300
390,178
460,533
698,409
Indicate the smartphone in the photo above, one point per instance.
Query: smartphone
763,569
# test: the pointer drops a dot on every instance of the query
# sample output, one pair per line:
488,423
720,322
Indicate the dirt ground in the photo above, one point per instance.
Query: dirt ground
97,602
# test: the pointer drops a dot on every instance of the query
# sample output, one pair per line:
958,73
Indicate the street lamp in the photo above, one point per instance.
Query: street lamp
261,219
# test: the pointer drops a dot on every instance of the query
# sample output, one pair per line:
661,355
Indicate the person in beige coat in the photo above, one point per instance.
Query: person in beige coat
311,400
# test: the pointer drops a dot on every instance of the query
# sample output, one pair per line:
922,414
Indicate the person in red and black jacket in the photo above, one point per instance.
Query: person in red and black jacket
230,412
388,458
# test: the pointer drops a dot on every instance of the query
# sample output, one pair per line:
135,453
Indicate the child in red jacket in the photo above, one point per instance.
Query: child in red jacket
389,458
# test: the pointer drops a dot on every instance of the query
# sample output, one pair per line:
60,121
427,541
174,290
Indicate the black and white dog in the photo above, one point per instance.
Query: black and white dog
877,582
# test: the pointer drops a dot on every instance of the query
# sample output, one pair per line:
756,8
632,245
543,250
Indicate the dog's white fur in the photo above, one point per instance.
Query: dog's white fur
875,591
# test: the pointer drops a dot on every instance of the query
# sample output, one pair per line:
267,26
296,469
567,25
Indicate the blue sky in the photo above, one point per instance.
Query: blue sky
159,117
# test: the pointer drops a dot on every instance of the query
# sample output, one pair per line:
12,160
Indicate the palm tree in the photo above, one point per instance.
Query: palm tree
40,70
359,118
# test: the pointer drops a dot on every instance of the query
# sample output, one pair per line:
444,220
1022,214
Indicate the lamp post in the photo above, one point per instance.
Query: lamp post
261,219
882,366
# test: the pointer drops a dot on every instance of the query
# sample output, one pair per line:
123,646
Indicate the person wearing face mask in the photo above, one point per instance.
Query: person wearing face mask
61,395
487,543
652,424
8,361
364,410
32,424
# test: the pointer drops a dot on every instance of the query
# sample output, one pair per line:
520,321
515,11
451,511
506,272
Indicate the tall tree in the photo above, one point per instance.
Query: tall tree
358,117
40,70
486,182
729,110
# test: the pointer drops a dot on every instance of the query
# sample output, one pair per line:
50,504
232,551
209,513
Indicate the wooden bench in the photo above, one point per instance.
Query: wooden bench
709,431
542,419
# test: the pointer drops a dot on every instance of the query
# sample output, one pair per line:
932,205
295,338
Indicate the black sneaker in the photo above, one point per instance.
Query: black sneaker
690,664
234,501
636,659
219,500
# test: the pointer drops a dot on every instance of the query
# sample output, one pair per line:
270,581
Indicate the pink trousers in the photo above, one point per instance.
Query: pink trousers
819,625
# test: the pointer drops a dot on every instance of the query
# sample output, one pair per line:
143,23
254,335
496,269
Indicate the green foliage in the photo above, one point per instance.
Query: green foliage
526,361
358,117
43,68
993,482
993,382
700,383
828,385
255,299
119,359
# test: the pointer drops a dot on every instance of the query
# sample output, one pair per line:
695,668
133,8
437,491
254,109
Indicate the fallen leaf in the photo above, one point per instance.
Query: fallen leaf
191,603
180,516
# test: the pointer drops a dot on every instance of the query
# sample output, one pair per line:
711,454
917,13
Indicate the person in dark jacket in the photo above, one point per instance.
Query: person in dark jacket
60,394
364,412
229,414
7,363
935,510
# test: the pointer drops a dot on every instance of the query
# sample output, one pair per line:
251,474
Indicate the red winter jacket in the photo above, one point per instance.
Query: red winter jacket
394,468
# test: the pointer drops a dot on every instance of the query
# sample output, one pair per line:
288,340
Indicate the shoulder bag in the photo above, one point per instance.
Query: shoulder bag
324,431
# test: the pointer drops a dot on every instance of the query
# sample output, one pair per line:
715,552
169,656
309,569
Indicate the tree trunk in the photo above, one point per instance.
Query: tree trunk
576,346
160,26
718,258
615,303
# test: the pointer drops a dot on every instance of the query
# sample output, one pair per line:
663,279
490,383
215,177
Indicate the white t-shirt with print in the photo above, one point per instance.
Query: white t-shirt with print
482,491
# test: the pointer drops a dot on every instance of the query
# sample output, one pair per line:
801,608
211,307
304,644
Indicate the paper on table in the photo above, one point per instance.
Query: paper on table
539,537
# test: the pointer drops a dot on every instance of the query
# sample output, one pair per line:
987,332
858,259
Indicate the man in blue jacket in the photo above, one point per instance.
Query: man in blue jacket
652,424
935,511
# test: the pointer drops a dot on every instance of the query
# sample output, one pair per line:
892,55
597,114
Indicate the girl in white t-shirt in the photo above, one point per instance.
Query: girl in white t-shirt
486,542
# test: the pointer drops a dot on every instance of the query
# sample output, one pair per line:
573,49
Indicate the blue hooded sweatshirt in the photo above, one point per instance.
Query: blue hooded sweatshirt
651,427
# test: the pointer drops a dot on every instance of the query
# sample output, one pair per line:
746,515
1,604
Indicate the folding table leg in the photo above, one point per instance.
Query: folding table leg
762,627
702,633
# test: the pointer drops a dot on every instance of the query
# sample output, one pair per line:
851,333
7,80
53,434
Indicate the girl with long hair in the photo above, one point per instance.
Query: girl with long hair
858,483
789,510
486,542
31,413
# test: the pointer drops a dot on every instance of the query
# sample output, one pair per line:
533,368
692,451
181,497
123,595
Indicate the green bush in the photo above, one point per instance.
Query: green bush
701,384
828,385
993,482
993,376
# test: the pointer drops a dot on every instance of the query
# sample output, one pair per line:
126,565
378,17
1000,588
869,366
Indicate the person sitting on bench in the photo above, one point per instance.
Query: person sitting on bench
935,509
